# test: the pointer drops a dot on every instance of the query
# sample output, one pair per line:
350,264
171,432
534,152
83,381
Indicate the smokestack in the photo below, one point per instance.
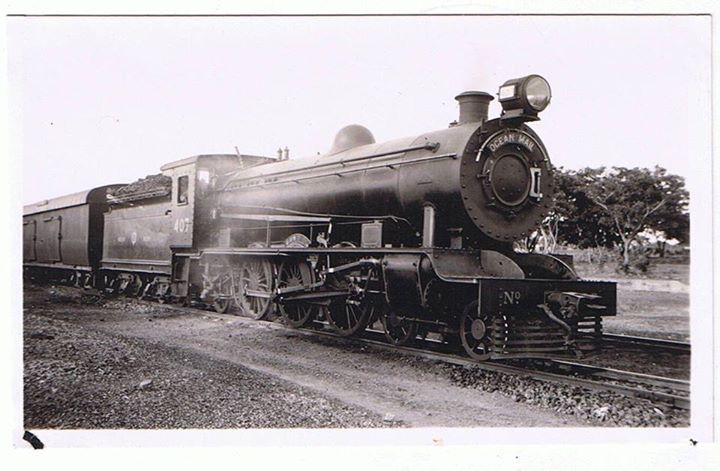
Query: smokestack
286,153
279,153
473,106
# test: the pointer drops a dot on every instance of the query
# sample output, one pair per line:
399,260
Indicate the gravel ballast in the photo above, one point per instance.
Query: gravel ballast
86,379
599,407
92,362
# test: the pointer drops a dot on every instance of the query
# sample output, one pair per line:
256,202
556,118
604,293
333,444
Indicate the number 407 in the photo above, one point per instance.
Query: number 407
182,225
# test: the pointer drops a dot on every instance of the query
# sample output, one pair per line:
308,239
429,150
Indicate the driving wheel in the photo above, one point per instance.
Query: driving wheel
351,314
254,289
296,313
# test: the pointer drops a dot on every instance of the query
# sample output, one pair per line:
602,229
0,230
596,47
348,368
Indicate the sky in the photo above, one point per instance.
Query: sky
95,101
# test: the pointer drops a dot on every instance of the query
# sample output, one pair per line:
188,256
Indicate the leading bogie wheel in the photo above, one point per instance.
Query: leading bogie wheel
475,333
254,288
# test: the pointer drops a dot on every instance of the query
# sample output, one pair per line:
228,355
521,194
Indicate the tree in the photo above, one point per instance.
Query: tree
632,200
574,218
579,220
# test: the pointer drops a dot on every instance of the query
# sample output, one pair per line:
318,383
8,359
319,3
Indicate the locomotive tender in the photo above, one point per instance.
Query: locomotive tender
415,232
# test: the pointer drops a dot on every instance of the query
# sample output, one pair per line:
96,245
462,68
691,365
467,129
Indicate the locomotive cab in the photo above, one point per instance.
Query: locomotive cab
153,221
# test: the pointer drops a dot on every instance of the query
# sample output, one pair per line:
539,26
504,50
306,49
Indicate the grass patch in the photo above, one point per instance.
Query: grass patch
651,314
658,271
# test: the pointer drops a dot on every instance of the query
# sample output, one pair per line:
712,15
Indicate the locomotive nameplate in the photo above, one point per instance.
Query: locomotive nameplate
512,137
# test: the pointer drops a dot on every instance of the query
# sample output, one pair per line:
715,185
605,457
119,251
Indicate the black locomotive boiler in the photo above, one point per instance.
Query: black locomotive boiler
415,232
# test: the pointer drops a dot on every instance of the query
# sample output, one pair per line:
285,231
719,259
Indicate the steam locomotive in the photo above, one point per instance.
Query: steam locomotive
416,232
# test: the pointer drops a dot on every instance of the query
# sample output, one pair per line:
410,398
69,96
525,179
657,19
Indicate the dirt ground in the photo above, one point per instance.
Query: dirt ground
660,314
122,365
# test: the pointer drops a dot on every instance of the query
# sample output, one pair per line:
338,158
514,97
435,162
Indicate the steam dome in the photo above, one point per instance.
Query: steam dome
351,136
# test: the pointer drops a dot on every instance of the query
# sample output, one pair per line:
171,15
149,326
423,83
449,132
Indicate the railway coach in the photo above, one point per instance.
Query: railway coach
63,237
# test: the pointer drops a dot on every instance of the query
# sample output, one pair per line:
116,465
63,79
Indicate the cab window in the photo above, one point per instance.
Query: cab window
203,182
182,186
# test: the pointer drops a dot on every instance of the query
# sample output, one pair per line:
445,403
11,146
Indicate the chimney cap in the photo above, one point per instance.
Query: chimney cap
475,93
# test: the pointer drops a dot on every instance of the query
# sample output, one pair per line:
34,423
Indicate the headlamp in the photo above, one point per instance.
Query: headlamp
524,97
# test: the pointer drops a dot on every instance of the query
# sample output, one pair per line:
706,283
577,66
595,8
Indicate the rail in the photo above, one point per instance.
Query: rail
656,389
646,342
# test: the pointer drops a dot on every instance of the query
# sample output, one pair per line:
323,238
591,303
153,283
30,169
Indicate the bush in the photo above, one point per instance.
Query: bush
592,255
639,260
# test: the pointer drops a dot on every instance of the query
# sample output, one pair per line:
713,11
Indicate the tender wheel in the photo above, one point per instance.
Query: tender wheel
398,330
136,286
254,288
224,286
88,281
296,314
123,284
475,333
112,285
222,305
225,279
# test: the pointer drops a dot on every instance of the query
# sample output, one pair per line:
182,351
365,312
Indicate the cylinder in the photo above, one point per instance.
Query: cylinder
473,106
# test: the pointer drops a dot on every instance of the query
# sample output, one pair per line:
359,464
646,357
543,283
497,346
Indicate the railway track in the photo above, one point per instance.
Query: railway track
646,342
656,389
669,391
